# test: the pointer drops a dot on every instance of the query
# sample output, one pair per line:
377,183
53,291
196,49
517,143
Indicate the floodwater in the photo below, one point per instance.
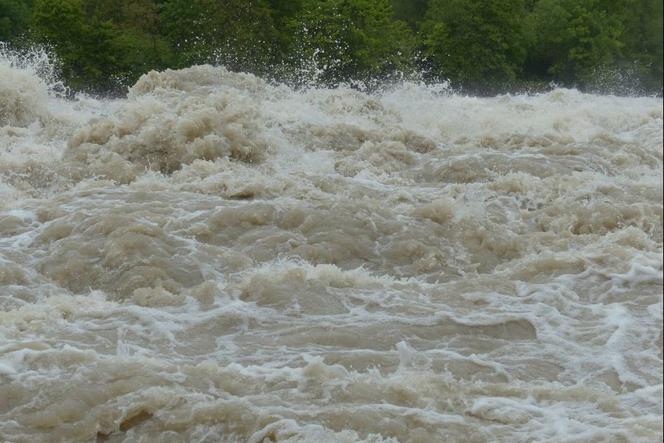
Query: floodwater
217,259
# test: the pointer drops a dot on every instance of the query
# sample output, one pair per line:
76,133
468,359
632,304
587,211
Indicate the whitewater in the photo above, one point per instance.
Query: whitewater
217,258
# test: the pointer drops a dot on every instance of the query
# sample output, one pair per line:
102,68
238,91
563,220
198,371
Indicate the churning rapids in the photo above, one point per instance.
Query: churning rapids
217,259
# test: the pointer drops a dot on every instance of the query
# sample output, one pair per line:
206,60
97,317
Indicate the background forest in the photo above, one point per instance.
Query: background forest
480,46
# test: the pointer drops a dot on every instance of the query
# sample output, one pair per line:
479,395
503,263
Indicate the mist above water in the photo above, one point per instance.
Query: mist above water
217,258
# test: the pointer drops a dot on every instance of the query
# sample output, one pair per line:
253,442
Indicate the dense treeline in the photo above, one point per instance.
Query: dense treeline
479,45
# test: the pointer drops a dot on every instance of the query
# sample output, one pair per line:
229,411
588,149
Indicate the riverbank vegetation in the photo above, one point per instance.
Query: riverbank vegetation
480,46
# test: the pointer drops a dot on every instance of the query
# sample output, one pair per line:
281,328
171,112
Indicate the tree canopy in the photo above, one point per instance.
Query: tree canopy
480,46
352,39
475,43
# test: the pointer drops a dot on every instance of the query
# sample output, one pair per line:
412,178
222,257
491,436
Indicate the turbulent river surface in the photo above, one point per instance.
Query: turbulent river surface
217,259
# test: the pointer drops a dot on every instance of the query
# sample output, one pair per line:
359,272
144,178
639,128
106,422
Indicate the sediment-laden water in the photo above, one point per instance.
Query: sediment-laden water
218,259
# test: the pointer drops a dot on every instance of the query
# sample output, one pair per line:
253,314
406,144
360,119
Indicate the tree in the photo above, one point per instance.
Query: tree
475,43
410,11
283,12
482,46
574,39
84,46
642,40
136,42
352,39
237,33
14,18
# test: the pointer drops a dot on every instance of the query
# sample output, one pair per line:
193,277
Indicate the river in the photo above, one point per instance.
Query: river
215,258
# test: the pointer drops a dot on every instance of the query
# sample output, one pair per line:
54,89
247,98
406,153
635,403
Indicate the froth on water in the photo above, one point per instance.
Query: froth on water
216,258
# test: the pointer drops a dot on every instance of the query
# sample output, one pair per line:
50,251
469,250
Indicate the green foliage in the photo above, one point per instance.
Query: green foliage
102,45
352,39
83,45
14,18
575,38
283,14
137,53
136,43
238,33
475,42
410,11
642,37
480,45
